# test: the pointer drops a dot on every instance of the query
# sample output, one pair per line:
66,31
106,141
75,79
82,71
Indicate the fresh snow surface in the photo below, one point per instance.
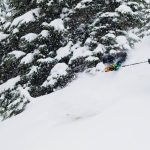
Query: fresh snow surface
122,40
105,111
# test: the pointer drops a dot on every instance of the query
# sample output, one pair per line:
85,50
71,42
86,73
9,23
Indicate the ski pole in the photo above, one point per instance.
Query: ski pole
136,63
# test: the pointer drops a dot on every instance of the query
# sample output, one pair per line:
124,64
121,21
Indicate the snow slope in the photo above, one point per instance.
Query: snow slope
105,111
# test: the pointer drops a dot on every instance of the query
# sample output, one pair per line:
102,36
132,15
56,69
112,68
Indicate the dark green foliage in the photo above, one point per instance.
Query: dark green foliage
12,103
9,68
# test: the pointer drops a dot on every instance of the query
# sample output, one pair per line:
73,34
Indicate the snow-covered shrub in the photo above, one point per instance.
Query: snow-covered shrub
12,102
63,54
38,74
59,76
27,42
13,98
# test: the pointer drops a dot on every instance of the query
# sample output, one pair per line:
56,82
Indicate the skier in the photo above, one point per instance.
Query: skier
113,61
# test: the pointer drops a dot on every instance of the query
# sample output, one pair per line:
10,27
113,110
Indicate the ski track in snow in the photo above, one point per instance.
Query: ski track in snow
107,111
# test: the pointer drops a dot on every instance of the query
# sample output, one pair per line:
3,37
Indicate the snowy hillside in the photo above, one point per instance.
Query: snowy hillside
107,111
